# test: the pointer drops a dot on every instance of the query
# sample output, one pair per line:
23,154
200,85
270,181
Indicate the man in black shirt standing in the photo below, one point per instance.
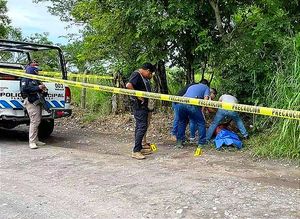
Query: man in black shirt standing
139,80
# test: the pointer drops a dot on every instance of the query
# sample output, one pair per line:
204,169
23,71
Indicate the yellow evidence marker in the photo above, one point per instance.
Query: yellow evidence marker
153,147
198,152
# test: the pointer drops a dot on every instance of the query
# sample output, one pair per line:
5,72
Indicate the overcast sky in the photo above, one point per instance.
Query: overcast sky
34,18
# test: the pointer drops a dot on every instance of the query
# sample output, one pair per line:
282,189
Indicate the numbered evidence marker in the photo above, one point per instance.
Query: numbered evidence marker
153,147
198,152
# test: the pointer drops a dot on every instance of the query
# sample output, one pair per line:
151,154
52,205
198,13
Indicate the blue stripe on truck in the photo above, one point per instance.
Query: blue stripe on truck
5,104
17,104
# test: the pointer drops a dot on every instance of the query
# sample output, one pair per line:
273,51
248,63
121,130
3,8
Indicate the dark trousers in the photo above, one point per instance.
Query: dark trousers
141,125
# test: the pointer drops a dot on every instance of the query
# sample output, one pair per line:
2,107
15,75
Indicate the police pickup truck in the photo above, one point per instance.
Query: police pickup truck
15,56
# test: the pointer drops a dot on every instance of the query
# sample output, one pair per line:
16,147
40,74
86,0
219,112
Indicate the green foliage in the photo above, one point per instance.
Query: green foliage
47,59
99,102
259,47
4,20
283,92
176,79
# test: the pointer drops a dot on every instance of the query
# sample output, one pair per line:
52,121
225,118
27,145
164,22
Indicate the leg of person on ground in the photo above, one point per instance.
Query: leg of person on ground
239,123
175,120
197,117
183,116
193,129
216,121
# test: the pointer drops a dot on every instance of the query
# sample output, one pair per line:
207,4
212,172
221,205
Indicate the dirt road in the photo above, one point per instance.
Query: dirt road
86,174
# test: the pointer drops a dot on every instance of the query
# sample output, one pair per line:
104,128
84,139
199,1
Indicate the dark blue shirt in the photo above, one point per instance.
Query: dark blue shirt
197,91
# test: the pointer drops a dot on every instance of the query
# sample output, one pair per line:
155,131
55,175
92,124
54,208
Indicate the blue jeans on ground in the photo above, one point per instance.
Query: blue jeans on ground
176,121
221,114
194,114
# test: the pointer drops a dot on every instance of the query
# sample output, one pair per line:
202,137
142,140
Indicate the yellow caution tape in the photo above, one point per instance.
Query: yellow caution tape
289,114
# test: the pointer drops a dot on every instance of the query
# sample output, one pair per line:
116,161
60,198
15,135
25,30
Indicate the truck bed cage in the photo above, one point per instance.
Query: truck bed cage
25,47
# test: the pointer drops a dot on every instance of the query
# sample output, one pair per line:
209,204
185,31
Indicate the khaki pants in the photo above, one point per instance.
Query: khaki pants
35,116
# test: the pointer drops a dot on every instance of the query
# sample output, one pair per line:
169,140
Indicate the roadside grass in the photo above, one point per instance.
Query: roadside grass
282,137
97,103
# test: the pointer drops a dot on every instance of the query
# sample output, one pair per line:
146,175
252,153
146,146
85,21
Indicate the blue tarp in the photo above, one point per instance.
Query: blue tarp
226,137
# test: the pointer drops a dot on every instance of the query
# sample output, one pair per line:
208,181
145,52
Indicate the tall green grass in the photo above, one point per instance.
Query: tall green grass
283,138
97,103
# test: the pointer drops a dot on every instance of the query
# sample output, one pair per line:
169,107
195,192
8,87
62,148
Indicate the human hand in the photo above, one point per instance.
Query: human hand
42,87
141,99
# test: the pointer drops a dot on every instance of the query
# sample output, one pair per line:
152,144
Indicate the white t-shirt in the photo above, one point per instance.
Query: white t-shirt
228,98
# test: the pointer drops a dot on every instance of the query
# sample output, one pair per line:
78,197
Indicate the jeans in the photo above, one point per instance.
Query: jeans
220,115
141,125
194,114
176,121
193,127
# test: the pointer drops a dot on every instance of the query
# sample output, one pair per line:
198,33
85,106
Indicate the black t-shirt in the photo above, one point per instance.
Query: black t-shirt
140,83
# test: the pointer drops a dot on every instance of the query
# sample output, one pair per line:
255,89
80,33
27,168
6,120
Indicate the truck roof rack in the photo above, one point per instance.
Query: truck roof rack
25,47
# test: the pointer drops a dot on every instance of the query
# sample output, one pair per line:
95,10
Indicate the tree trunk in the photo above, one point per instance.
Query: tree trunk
215,6
118,100
160,78
83,92
190,71
203,67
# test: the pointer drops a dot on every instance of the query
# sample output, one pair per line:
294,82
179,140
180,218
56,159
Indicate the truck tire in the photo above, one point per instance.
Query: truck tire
46,128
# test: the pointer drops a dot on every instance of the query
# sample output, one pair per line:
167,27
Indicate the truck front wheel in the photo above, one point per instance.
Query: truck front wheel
46,128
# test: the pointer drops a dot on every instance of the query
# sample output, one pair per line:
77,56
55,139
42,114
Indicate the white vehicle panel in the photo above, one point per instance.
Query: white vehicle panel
11,101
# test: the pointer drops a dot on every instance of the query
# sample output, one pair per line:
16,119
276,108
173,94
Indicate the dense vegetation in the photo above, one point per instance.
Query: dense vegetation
250,47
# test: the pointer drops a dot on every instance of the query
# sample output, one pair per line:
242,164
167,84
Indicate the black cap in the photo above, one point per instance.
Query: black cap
148,66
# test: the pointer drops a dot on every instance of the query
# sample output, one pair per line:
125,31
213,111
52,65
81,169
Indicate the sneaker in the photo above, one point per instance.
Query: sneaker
33,145
173,138
39,143
146,146
179,145
192,140
138,155
146,151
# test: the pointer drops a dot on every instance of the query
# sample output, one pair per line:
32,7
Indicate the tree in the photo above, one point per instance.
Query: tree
4,20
